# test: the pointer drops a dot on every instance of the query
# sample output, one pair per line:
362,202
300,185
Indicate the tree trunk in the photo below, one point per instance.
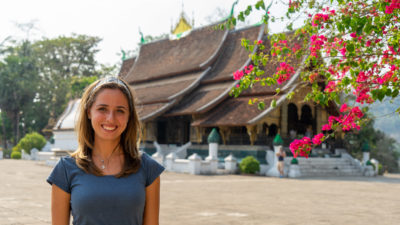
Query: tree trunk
17,127
4,132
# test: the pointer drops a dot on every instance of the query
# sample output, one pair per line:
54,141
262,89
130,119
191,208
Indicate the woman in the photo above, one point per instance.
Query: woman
281,161
106,180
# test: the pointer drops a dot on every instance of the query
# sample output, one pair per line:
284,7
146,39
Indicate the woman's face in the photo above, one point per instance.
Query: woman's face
109,115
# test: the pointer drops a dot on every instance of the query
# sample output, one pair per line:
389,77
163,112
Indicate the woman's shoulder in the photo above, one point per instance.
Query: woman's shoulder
68,161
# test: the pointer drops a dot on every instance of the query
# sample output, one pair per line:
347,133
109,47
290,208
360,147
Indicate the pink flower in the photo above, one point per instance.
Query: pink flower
317,140
259,42
301,147
284,71
238,75
344,108
353,35
368,43
326,127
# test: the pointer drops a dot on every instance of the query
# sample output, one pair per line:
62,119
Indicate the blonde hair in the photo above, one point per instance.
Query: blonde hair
85,132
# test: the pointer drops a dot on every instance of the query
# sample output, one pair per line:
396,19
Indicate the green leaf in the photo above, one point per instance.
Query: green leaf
395,93
273,103
350,47
381,95
261,105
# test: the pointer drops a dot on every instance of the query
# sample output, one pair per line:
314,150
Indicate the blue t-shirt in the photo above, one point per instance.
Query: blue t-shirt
105,200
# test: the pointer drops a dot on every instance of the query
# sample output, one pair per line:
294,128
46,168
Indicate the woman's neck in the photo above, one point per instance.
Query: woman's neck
105,148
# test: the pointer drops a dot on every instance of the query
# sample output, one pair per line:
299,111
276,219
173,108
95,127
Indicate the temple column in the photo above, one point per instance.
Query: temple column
252,132
225,133
199,134
284,120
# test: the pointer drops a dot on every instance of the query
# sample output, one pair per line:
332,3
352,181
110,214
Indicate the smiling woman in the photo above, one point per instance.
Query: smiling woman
106,180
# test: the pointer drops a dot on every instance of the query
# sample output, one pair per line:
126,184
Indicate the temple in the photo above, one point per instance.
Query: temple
182,88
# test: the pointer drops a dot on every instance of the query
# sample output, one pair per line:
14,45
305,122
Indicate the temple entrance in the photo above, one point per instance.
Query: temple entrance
293,121
306,121
162,132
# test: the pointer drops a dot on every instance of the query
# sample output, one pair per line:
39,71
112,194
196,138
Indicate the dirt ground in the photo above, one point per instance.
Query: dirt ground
224,199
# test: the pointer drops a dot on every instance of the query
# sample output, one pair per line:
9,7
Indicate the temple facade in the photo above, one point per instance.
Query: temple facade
182,91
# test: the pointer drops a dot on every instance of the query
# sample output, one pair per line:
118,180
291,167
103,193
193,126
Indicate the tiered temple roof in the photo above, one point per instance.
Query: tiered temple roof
193,76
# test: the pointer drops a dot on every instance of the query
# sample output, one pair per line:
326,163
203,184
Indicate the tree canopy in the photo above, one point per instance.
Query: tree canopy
349,46
37,79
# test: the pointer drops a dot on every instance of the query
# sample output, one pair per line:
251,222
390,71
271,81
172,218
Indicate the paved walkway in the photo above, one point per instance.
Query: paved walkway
228,199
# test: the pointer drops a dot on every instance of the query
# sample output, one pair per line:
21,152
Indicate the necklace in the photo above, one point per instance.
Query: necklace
103,165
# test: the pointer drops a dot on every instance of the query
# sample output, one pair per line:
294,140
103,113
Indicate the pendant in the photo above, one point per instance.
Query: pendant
103,166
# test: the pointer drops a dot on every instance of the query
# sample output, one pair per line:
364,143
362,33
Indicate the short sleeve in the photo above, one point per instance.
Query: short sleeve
59,176
152,168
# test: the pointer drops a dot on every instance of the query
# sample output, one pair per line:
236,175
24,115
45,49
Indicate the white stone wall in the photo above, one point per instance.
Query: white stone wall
65,140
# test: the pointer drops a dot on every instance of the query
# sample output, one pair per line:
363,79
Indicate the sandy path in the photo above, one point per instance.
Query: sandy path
228,199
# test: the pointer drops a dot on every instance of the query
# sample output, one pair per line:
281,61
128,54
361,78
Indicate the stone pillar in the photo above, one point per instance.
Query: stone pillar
284,119
195,164
34,154
212,151
230,163
169,161
278,143
365,149
1,154
213,141
294,169
365,157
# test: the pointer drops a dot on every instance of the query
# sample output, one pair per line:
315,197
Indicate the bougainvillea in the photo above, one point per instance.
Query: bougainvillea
349,47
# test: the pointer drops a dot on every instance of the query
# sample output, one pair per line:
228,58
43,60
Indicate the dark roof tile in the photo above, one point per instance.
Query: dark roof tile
170,57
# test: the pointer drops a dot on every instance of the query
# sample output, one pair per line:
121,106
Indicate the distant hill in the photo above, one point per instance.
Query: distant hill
386,119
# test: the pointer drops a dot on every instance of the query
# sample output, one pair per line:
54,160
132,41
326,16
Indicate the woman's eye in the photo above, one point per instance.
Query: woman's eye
102,109
120,111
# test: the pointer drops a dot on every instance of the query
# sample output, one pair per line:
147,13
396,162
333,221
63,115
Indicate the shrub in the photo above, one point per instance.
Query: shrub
16,155
32,140
381,170
249,165
17,148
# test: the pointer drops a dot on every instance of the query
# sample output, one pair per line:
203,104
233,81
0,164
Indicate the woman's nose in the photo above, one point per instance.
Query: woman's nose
110,117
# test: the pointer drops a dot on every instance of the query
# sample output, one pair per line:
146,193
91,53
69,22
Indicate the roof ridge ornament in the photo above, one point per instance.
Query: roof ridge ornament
142,40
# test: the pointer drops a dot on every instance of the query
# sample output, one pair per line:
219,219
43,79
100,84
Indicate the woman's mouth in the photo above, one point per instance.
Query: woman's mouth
109,128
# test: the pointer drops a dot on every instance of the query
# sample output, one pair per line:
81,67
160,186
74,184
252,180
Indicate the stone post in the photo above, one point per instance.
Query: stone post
278,143
34,154
294,169
213,141
194,164
1,154
230,163
169,161
365,149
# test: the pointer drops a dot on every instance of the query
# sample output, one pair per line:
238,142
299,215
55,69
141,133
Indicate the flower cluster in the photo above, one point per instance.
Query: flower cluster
317,139
317,42
395,4
284,71
239,73
347,122
319,18
301,147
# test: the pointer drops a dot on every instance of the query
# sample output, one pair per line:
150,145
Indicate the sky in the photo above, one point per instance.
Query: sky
117,22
